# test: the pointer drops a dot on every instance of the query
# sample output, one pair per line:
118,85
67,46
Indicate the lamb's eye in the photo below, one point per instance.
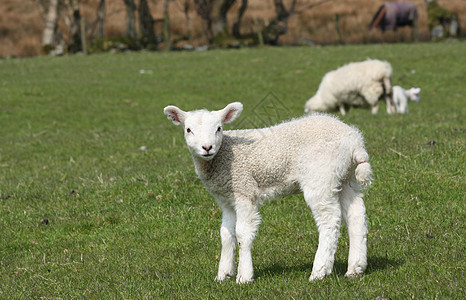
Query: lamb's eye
219,128
188,130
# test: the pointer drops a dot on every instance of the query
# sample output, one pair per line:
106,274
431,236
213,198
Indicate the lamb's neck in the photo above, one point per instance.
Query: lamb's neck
202,167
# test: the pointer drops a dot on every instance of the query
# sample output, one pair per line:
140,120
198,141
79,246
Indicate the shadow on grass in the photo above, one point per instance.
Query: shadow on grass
375,264
382,263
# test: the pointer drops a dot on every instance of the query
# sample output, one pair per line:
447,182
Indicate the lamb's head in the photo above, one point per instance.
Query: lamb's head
413,94
203,130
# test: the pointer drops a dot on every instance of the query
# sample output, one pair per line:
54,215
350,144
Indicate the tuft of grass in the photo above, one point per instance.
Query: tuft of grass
84,212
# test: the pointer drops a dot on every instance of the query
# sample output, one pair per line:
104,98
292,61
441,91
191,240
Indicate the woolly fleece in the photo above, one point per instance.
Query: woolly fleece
357,84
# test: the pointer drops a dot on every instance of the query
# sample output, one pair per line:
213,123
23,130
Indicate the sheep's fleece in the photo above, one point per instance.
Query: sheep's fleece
357,84
317,155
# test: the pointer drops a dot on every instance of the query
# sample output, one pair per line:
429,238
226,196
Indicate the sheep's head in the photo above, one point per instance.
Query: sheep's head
315,104
413,94
309,107
203,130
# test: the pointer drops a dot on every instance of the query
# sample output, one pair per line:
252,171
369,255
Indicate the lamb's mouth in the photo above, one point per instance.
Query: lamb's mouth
208,156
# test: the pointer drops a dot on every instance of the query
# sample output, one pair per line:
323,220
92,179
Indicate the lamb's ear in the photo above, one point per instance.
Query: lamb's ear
175,114
416,90
231,112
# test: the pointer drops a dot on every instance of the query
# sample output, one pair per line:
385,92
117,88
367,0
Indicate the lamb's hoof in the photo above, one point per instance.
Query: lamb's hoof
316,276
224,277
355,273
241,279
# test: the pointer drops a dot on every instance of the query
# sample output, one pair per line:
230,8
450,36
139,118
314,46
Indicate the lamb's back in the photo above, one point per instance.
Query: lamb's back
281,146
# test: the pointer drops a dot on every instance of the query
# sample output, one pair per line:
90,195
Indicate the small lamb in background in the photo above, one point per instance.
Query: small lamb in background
318,155
358,84
400,99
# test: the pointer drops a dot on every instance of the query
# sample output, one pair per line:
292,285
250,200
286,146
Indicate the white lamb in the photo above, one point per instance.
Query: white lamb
400,99
358,84
317,155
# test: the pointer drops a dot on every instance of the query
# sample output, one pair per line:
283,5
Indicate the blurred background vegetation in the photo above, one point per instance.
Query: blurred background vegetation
120,25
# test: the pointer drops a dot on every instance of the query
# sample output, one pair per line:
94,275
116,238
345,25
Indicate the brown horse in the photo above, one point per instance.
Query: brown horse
392,15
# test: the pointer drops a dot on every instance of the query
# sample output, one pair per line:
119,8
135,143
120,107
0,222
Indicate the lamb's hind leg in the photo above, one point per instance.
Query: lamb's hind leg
354,215
247,224
226,267
327,214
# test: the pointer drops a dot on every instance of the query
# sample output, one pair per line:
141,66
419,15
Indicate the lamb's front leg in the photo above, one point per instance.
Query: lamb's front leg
226,267
247,224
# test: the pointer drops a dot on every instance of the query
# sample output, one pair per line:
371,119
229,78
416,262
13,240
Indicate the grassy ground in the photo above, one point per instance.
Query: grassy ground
85,213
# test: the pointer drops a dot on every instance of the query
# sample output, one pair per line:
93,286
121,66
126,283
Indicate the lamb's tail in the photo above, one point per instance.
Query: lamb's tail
363,174
363,171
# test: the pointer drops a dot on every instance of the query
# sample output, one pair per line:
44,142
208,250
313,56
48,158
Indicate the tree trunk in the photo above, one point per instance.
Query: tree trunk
146,25
237,25
279,25
203,8
186,9
166,26
83,35
101,19
75,29
51,20
218,15
130,19
214,13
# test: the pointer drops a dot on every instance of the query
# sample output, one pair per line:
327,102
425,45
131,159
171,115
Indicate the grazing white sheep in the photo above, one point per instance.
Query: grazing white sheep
317,155
400,98
358,84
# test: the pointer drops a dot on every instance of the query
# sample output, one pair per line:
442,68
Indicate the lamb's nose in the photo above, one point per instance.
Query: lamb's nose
207,148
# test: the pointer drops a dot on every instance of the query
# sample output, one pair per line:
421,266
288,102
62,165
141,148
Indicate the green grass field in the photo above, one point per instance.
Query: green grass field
130,223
